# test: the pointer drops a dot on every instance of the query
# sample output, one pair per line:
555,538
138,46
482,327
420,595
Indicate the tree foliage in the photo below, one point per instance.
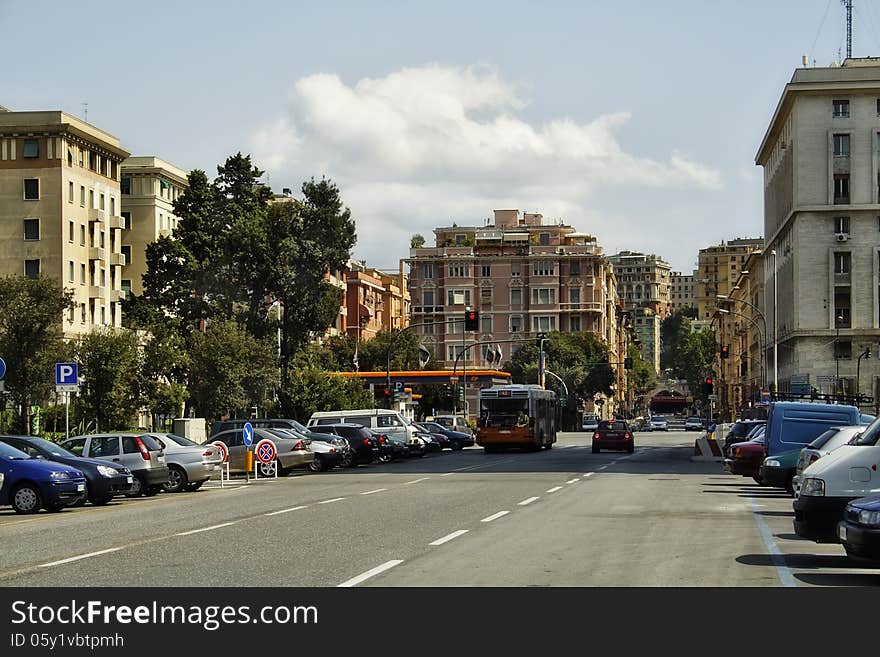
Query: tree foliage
674,332
696,358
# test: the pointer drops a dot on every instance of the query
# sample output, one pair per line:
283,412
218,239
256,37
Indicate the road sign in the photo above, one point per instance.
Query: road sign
453,379
398,386
224,450
2,368
66,374
248,434
713,397
265,451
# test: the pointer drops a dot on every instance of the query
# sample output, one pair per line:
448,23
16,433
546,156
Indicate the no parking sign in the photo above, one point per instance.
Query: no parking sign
224,450
265,451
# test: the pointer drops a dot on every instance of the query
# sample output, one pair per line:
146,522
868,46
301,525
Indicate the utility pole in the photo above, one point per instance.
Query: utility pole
849,7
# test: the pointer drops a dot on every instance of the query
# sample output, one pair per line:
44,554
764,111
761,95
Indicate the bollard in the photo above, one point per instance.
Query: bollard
248,463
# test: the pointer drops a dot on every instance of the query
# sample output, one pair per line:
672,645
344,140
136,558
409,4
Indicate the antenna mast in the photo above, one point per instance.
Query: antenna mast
849,5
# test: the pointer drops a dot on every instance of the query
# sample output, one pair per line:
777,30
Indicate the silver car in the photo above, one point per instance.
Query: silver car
290,453
329,452
189,464
659,423
139,452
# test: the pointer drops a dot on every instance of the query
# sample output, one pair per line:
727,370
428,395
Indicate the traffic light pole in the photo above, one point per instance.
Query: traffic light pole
393,339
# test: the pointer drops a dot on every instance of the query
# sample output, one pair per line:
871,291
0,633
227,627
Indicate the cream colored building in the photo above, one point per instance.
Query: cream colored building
681,290
60,211
821,161
149,186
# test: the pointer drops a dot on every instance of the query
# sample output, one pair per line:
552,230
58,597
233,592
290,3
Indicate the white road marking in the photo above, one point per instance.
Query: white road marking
601,467
447,474
528,501
495,516
776,555
275,513
335,499
415,481
449,537
554,489
378,490
572,481
205,529
354,581
82,556
589,474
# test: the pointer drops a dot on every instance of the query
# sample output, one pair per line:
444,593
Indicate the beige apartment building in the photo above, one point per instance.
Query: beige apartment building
681,290
821,161
149,187
524,277
375,301
60,211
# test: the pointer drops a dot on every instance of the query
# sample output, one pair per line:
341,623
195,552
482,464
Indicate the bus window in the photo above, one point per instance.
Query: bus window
504,413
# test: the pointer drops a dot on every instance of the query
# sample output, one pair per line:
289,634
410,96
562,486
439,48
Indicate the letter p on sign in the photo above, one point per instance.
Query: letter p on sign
66,374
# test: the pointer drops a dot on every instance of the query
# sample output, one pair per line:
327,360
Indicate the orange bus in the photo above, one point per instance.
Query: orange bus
516,416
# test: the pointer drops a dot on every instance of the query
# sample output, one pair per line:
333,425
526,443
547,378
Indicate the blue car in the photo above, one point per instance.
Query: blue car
29,484
859,531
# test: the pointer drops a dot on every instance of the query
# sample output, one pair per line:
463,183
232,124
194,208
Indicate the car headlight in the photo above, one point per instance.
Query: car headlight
59,475
107,471
772,463
813,487
869,518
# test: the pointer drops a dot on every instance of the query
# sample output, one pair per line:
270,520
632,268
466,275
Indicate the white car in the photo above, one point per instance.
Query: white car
659,423
590,422
693,424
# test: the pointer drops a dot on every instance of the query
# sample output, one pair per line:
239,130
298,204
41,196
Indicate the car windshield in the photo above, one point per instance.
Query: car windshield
299,427
869,436
659,418
613,426
11,452
432,426
502,413
180,440
52,448
823,438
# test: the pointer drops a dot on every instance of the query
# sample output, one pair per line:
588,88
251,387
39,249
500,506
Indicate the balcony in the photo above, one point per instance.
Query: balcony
164,232
97,292
427,310
117,260
96,253
115,223
581,307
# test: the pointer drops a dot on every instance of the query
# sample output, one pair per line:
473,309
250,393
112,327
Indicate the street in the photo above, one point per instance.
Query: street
563,517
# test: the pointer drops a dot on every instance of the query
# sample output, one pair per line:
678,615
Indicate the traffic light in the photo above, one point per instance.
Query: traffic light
725,351
627,363
471,320
709,386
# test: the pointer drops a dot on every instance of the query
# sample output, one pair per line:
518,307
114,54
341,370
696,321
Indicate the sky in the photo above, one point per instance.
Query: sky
637,122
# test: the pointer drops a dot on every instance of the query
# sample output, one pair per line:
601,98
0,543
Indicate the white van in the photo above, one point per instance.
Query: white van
827,485
387,421
454,423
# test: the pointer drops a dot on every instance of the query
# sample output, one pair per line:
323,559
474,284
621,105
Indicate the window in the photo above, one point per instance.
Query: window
486,295
544,239
31,229
543,268
93,161
574,295
82,313
31,148
842,307
109,446
82,275
92,199
459,270
31,189
543,323
126,288
574,268
454,297
486,324
32,268
102,202
841,263
70,273
841,225
516,298
80,151
70,315
427,297
82,196
70,231
112,206
544,295
486,271
70,192
840,108
843,349
516,324
574,324
841,145
460,238
82,235
454,327
126,224
453,351
126,254
515,267
125,185
841,188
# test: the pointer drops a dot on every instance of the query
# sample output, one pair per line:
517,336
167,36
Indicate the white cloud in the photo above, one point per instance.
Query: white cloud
423,147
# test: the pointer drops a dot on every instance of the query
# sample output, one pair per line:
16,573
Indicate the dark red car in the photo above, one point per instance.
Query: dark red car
746,458
613,434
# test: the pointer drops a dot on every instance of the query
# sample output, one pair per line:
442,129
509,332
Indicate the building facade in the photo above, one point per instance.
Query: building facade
821,161
681,291
149,187
375,301
60,211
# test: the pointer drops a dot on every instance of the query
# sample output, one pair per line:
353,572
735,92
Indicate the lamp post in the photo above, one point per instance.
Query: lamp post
837,321
775,329
764,320
763,344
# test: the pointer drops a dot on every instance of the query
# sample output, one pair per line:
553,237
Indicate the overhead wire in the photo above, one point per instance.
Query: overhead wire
819,31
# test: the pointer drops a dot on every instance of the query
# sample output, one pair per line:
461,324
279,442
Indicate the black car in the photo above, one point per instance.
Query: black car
859,531
364,445
270,423
457,439
104,479
391,448
740,432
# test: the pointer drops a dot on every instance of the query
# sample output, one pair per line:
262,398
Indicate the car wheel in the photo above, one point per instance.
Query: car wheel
268,469
194,486
386,458
631,448
317,464
177,480
789,485
759,480
548,446
456,445
150,491
26,499
595,449
137,488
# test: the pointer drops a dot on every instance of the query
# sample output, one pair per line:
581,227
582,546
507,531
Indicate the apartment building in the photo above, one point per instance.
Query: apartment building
375,301
149,187
821,161
60,205
681,290
523,275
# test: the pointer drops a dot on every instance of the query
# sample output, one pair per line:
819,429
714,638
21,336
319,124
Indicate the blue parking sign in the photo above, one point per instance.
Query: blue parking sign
248,434
66,374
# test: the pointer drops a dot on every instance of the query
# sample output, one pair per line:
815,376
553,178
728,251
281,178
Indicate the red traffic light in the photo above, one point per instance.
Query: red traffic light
708,380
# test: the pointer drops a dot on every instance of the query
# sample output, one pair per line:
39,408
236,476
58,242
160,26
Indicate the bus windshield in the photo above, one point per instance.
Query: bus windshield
504,412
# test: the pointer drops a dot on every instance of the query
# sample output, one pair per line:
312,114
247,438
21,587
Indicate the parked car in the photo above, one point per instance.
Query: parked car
823,446
745,459
828,485
364,445
779,471
104,479
391,448
291,453
385,420
30,484
792,425
329,452
139,452
269,423
613,434
189,464
659,423
454,423
457,439
590,422
440,438
859,531
739,432
693,424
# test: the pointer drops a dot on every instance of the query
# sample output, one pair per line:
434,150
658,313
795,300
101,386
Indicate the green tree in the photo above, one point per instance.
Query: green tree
110,364
311,389
674,331
31,312
165,372
417,241
696,358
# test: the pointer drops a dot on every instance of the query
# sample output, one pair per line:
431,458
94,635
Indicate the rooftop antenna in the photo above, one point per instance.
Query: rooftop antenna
86,111
849,5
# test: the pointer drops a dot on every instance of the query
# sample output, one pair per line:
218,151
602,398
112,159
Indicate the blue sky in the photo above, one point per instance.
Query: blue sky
635,121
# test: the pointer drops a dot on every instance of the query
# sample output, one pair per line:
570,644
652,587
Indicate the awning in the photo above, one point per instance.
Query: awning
516,237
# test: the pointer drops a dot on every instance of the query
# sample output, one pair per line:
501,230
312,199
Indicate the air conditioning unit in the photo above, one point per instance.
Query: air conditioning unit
841,237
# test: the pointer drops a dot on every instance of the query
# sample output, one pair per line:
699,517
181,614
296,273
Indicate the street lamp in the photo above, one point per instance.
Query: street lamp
837,321
775,329
763,343
763,319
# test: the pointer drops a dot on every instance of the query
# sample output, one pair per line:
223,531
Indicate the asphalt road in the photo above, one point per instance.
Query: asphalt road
562,517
